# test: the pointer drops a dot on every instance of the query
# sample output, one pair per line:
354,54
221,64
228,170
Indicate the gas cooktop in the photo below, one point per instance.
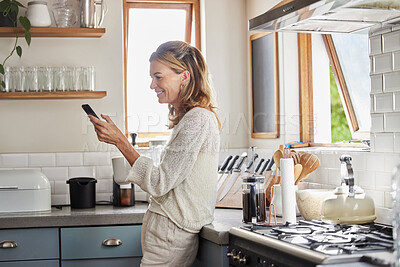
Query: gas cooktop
315,242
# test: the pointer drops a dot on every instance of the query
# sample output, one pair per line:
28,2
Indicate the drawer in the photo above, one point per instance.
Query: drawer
32,244
87,242
49,263
124,262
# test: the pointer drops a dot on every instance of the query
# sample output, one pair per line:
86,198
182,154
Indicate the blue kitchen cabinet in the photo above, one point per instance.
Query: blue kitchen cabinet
211,254
29,247
101,246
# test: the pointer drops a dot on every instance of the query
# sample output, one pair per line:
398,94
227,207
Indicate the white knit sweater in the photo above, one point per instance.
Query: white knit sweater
184,183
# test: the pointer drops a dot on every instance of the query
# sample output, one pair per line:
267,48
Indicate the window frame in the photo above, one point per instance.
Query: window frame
192,8
306,87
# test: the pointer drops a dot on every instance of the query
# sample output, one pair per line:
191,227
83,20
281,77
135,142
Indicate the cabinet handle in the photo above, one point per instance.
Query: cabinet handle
8,244
112,242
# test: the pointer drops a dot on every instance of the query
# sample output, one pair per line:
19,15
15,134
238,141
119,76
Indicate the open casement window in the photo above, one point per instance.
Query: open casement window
349,61
147,24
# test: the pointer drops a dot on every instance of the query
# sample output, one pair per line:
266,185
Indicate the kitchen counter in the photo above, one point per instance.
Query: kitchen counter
217,232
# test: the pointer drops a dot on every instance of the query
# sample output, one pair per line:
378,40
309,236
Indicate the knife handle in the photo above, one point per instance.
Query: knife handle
225,164
240,162
258,165
232,162
264,167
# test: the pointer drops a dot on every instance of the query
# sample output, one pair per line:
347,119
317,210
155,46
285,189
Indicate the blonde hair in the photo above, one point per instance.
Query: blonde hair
180,56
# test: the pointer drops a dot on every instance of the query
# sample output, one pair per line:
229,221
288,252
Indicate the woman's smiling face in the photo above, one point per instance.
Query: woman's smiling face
166,83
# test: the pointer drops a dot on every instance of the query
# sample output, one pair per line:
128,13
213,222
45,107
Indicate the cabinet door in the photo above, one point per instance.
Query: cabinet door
31,244
87,242
211,254
124,262
50,263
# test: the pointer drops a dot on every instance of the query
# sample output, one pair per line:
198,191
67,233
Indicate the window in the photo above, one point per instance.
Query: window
147,25
349,61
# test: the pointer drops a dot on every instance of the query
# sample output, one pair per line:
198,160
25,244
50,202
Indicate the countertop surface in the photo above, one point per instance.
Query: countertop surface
217,232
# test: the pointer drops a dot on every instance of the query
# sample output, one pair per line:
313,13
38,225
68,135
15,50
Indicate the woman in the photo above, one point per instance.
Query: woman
182,187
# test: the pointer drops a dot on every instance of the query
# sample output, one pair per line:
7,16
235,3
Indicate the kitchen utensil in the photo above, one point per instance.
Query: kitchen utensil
309,202
232,179
264,167
222,168
89,13
295,156
227,172
310,163
272,179
253,197
277,157
38,14
82,191
276,192
297,171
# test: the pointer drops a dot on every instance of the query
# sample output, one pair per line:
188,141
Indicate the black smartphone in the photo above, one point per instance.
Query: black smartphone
89,110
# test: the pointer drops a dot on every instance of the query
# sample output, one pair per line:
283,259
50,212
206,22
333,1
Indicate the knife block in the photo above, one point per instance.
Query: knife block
231,200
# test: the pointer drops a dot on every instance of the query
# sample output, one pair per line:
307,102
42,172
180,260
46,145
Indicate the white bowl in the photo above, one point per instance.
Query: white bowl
310,201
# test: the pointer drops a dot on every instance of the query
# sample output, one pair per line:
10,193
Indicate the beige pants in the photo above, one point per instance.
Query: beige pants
164,244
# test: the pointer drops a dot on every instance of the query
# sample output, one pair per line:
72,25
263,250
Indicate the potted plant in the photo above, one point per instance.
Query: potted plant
9,17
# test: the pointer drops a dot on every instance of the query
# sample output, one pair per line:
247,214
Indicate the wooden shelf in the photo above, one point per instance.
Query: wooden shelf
52,95
55,32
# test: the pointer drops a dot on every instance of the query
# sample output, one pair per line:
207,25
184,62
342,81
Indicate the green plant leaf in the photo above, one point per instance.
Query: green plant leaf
1,69
19,50
3,84
18,3
28,37
25,22
3,6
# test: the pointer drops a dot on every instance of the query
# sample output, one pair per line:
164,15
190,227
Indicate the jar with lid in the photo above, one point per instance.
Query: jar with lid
253,197
38,14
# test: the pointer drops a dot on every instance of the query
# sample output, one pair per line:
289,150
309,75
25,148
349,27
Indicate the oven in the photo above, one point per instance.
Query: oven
310,243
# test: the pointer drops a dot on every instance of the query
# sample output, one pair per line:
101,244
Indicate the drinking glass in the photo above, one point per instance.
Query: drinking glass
29,82
77,78
57,79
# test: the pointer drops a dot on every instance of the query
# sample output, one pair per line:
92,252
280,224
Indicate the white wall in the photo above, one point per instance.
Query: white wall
62,126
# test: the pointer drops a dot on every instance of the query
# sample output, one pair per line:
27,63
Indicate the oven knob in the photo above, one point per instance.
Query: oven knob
243,260
238,256
231,254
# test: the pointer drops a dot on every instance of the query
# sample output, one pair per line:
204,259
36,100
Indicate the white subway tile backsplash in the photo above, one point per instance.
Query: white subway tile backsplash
378,30
358,160
377,196
42,159
396,61
334,177
374,161
391,161
81,172
384,102
105,197
14,160
376,83
104,185
392,122
104,172
377,122
384,142
383,181
61,187
56,173
329,159
397,142
382,63
397,101
391,41
69,159
391,81
366,179
375,45
96,158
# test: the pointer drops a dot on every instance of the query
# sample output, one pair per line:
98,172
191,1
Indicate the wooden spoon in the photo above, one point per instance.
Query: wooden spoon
297,171
310,163
277,158
295,156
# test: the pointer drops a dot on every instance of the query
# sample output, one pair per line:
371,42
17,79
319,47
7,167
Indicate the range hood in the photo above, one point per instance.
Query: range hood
328,16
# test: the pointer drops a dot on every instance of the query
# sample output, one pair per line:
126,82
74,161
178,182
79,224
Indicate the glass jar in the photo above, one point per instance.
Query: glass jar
253,199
